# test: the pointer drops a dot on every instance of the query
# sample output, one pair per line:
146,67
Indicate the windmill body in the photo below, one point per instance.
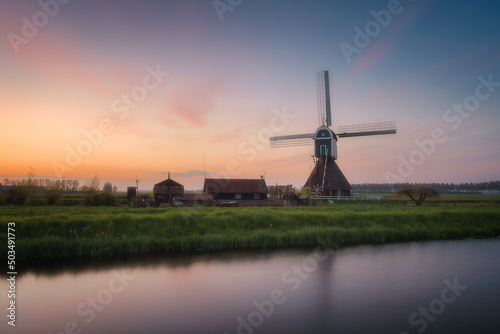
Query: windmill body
325,142
327,179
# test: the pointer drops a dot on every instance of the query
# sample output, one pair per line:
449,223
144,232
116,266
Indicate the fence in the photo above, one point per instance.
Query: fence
348,198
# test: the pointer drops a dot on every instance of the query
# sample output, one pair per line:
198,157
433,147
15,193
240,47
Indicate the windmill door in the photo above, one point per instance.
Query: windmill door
323,150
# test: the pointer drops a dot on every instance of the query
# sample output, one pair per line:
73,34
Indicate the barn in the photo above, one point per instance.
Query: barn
327,179
236,189
167,191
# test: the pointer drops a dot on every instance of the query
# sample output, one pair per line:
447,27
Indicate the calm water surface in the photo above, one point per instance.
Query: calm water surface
431,287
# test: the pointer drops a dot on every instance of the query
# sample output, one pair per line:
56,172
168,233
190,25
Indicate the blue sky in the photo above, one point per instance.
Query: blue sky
226,79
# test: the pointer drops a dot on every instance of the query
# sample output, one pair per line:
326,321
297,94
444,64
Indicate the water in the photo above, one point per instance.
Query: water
431,287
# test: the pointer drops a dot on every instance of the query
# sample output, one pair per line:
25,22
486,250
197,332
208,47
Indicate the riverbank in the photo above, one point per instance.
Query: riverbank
66,232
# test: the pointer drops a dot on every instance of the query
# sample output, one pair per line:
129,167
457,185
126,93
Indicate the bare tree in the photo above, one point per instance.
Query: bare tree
75,186
94,185
418,195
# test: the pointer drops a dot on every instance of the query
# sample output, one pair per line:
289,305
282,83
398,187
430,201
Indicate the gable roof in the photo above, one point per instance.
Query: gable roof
168,186
168,183
334,178
234,186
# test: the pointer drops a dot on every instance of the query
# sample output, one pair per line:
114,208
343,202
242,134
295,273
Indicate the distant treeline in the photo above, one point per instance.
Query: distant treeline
444,188
67,185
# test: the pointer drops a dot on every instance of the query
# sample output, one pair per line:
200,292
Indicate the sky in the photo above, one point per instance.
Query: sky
126,89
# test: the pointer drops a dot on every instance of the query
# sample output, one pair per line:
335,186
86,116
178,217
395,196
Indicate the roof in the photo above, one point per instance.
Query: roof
168,186
168,183
325,128
235,186
334,178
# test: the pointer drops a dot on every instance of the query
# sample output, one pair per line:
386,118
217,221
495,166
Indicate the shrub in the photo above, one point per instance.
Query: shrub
54,192
103,199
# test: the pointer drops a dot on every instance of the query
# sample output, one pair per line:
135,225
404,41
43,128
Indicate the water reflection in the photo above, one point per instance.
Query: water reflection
352,290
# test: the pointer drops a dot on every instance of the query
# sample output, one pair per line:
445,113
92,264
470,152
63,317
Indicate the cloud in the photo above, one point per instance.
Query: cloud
381,47
52,54
194,100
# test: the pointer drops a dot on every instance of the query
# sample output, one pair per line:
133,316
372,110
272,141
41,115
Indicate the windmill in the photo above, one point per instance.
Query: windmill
326,177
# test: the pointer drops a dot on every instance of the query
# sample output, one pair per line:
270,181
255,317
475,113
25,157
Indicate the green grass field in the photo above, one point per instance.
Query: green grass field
61,232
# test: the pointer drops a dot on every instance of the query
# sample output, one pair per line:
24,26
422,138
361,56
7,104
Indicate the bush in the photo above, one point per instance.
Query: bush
18,195
54,192
103,199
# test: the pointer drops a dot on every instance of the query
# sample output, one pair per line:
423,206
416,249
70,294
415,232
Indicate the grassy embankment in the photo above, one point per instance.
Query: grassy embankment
58,232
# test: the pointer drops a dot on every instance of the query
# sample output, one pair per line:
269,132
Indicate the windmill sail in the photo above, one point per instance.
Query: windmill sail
324,108
367,129
325,119
292,140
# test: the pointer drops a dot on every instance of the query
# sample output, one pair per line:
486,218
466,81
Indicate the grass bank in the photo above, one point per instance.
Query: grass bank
60,232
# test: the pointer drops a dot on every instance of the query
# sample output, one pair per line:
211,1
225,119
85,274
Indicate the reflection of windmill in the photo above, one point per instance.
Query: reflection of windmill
326,175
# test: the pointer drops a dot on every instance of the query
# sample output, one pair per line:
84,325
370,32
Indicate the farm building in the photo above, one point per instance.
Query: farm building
236,189
167,191
131,193
328,180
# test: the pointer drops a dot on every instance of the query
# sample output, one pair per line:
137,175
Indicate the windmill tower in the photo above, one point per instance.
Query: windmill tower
326,179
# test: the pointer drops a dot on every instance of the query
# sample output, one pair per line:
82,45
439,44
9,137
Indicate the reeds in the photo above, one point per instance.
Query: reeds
62,232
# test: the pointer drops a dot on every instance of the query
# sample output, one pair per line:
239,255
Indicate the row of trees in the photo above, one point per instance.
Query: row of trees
23,192
444,188
67,185
60,185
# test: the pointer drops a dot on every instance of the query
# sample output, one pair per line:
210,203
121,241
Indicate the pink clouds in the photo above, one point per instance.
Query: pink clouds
194,100
53,55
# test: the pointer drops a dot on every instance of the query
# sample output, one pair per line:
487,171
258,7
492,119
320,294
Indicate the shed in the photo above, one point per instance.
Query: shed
167,191
236,189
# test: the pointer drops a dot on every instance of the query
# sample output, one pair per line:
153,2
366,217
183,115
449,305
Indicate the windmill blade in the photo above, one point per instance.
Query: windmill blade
292,140
324,108
367,129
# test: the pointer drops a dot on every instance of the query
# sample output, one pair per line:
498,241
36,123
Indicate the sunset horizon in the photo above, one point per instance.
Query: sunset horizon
196,88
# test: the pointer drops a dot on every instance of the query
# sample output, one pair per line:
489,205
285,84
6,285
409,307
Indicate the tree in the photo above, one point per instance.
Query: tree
108,188
421,192
53,192
94,185
75,185
91,197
